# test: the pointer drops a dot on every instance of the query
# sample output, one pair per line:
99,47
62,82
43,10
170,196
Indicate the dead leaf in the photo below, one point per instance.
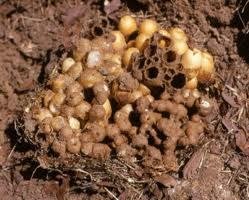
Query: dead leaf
193,164
229,124
242,142
166,180
229,99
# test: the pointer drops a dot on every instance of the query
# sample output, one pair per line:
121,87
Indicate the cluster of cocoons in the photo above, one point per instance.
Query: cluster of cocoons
101,101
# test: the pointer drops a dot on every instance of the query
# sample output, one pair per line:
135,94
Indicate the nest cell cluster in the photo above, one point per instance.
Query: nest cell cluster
131,93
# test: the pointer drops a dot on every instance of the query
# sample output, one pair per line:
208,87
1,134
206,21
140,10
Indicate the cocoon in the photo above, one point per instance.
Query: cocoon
67,63
113,64
65,133
74,98
73,145
58,123
165,33
89,77
59,147
177,34
119,43
135,95
59,83
74,87
108,109
144,89
82,109
53,108
179,46
207,68
127,25
191,59
58,99
166,39
148,27
42,113
48,95
128,54
94,59
192,83
82,47
75,70
141,41
74,123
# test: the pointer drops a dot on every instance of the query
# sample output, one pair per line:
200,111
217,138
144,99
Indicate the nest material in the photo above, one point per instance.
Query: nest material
158,67
95,107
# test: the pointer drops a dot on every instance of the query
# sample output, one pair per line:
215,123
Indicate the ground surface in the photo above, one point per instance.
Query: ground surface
35,35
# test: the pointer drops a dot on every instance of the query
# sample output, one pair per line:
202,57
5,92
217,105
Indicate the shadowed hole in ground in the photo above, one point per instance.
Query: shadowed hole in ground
136,6
241,21
14,134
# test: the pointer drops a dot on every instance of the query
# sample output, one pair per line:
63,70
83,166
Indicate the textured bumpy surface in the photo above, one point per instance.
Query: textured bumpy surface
122,99
158,66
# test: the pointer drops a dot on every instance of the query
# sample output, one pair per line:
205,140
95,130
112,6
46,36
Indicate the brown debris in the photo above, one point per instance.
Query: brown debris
229,99
193,164
166,180
242,142
230,126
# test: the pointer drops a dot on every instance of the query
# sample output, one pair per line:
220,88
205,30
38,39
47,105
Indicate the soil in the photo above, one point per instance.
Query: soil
36,35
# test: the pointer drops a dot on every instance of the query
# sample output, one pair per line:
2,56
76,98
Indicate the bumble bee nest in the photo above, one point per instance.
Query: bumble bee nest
131,93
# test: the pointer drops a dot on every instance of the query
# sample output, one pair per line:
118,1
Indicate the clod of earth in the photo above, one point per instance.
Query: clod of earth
131,93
